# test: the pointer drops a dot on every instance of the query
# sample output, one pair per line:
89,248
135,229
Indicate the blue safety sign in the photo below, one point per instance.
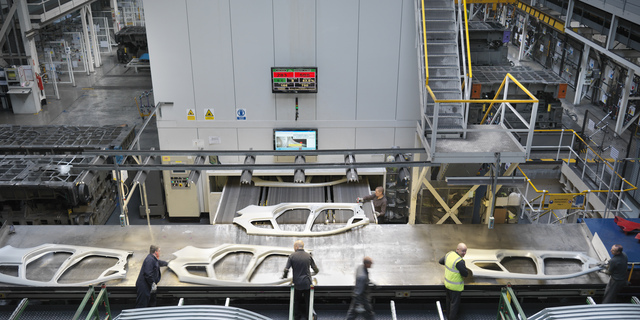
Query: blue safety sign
241,114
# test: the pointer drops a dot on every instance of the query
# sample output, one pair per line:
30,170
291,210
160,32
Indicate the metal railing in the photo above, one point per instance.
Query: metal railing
508,307
498,119
545,202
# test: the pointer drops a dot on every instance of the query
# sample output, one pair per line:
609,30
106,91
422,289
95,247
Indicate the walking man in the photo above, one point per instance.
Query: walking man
361,299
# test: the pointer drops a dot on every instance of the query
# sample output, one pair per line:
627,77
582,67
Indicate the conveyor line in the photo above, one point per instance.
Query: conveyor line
404,255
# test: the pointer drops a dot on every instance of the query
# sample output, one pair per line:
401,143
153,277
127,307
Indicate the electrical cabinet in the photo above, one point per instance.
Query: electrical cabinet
181,194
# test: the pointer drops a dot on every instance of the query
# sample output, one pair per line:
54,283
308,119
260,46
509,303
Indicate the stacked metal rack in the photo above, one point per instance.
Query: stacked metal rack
38,182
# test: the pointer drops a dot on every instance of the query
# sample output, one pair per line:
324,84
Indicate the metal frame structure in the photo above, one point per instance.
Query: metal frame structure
203,312
200,257
268,214
474,257
21,257
598,188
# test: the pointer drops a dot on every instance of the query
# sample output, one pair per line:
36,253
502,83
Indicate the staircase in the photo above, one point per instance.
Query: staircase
443,68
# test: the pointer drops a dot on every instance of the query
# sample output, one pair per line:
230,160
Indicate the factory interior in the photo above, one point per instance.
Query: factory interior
223,131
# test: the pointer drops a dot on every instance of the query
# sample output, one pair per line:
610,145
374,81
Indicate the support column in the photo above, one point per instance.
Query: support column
416,185
582,75
611,37
567,20
524,36
116,16
624,104
94,38
87,43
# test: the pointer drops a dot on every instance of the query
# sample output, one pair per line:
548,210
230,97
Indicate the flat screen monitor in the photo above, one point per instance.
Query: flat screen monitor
295,139
294,80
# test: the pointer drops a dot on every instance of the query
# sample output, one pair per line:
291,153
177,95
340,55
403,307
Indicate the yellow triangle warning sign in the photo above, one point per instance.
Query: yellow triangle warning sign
208,115
191,115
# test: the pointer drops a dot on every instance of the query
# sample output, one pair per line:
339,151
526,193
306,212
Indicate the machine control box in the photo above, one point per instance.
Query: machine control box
179,182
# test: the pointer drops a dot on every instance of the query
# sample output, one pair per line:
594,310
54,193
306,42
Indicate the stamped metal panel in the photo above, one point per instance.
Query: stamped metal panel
269,214
207,257
22,257
477,257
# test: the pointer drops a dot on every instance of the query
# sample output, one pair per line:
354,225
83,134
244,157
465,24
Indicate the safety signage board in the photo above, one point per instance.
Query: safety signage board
565,201
208,114
241,114
190,114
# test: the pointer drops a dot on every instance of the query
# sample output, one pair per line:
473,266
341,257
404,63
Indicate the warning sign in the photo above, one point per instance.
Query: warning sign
208,115
190,114
565,201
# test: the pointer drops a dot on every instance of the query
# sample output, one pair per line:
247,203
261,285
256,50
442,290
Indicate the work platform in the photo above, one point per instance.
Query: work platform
403,255
480,146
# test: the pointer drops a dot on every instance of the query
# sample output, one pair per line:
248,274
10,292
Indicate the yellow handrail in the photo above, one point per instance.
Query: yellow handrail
632,187
466,25
424,39
534,99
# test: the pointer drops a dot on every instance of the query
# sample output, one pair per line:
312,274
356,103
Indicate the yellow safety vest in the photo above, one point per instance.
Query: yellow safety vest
452,278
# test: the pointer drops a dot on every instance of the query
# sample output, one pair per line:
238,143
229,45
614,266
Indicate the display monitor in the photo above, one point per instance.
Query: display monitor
294,79
11,74
295,139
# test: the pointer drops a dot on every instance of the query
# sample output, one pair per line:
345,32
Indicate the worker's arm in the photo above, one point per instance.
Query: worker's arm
441,261
383,207
285,273
314,267
462,268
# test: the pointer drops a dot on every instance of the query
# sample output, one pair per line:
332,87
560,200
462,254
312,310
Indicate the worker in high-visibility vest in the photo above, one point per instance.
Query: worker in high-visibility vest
455,270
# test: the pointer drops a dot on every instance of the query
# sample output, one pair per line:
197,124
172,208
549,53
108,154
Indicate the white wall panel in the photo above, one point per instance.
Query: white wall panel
169,50
378,54
177,138
372,138
408,84
212,59
405,137
294,26
252,45
337,47
256,139
221,139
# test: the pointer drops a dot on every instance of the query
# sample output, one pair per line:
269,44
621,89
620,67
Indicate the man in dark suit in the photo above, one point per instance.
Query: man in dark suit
148,278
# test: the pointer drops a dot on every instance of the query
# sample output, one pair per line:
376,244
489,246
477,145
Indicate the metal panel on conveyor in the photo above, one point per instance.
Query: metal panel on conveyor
235,197
278,195
404,255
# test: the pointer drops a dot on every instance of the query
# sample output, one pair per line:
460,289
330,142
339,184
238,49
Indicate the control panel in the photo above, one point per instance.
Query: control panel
179,182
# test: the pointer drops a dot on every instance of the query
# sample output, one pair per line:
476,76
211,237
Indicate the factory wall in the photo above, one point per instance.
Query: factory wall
215,56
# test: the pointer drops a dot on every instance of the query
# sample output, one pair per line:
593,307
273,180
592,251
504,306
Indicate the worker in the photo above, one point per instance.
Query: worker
300,261
148,278
617,269
379,202
361,300
455,270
